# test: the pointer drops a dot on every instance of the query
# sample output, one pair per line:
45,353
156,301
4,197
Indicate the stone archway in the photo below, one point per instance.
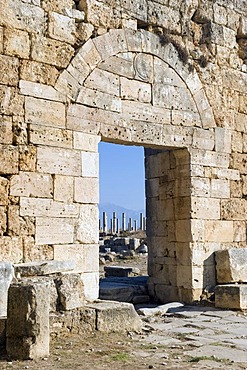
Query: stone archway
127,88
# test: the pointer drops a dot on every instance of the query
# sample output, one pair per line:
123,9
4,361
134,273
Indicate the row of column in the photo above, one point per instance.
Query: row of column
115,228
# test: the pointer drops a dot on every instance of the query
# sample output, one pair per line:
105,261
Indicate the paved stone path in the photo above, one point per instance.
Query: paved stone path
207,337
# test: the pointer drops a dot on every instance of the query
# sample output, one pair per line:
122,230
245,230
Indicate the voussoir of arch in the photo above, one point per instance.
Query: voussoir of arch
100,49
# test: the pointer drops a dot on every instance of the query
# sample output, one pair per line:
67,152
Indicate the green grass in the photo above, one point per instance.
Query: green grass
121,357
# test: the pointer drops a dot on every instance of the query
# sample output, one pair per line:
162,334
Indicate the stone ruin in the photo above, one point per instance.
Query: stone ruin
168,75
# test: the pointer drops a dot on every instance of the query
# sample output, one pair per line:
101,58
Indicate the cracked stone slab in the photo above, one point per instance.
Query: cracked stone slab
43,268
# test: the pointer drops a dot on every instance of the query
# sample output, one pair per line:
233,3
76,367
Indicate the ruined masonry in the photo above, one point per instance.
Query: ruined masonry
167,75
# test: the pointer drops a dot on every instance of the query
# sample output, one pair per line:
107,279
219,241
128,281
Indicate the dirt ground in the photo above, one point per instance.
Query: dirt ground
135,351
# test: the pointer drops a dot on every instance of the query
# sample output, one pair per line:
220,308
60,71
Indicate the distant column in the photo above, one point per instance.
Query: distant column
144,223
117,230
130,224
123,221
111,226
141,221
135,225
104,223
114,223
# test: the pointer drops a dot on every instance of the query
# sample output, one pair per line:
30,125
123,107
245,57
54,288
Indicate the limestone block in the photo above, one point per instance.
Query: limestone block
86,190
54,52
122,64
27,158
231,265
237,142
70,290
85,142
6,135
242,30
11,249
116,316
14,221
219,231
165,75
25,16
9,70
189,119
34,252
205,208
220,14
4,191
44,112
51,136
11,102
68,85
209,158
231,296
164,16
104,81
222,140
43,268
90,54
152,187
1,40
203,139
28,320
17,43
87,225
54,230
99,99
61,6
234,209
230,174
63,188
38,72
59,161
239,162
30,184
146,112
90,164
61,27
79,69
9,159
167,96
91,285
6,276
135,90
199,187
220,188
72,252
3,220
239,231
40,207
84,31
190,277
39,90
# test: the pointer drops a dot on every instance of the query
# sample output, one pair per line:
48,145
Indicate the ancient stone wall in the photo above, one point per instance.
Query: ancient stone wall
168,75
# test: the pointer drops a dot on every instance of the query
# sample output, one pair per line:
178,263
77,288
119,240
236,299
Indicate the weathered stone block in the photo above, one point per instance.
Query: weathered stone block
6,276
87,232
116,316
70,290
47,50
40,207
61,27
38,72
44,112
63,188
231,265
231,296
30,184
9,159
86,190
9,70
28,320
90,164
104,81
91,285
219,231
43,268
135,90
6,135
85,142
4,190
59,161
54,230
39,90
99,99
51,136
17,43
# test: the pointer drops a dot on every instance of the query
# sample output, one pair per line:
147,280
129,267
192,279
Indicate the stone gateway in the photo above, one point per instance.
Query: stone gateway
167,75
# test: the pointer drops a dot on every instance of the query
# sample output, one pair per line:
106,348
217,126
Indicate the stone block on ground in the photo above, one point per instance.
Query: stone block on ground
6,277
233,296
116,316
43,268
123,289
159,310
27,329
231,265
70,290
117,271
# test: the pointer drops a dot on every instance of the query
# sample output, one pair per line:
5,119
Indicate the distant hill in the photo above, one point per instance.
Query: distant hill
110,208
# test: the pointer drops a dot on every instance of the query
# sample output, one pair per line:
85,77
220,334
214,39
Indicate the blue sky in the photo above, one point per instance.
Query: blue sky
122,178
